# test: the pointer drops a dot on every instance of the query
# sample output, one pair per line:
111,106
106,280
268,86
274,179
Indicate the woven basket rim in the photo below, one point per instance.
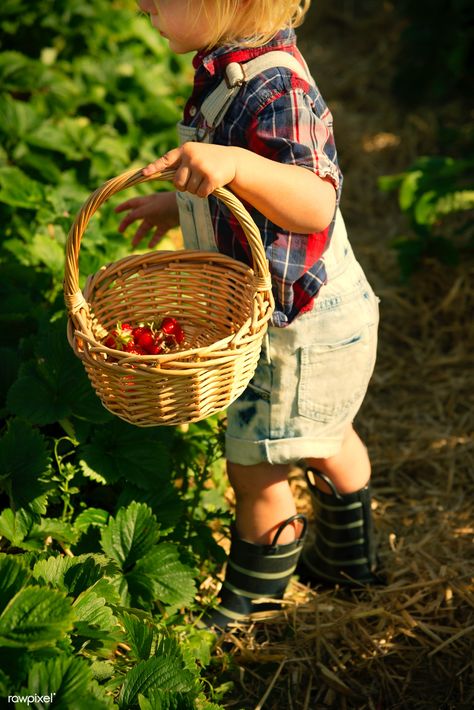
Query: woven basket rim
189,383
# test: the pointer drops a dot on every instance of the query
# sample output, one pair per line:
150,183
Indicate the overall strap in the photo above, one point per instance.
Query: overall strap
217,103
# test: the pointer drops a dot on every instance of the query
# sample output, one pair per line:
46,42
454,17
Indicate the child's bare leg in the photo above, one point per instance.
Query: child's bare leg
266,543
343,549
263,501
349,469
264,498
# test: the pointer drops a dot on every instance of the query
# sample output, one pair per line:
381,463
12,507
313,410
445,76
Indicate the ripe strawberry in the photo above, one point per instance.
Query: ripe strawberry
110,342
156,349
171,327
145,340
168,324
136,332
132,348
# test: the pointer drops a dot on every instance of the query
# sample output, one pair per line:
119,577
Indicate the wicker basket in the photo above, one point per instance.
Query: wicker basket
222,304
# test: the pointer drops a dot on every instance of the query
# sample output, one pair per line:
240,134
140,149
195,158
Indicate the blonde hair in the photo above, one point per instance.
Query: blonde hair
254,24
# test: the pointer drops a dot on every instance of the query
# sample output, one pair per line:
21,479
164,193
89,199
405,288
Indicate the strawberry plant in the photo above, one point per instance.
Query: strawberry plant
437,195
105,529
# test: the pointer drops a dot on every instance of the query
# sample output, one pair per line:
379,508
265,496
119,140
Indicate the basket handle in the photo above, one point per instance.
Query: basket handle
73,295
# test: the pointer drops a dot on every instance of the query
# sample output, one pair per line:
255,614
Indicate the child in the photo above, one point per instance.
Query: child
257,123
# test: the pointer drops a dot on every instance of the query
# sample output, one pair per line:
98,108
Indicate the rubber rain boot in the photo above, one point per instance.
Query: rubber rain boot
343,551
255,571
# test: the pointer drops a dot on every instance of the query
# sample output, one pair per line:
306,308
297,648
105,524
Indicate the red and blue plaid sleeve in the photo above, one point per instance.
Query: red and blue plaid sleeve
283,117
291,128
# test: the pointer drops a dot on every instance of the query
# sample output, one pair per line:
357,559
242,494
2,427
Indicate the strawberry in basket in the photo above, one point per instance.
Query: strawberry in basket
146,338
174,334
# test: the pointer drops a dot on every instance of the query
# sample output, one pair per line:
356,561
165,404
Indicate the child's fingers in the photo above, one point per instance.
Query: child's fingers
182,177
141,232
124,223
129,204
204,188
168,160
128,219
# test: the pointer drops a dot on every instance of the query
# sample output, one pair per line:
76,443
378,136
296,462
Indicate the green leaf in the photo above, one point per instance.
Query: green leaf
388,183
34,399
74,574
204,704
35,617
110,156
199,643
17,118
6,684
15,526
54,528
18,72
425,208
85,574
129,536
108,588
23,460
139,635
161,575
14,575
74,137
92,610
166,503
68,678
18,190
409,190
52,570
120,450
88,472
56,386
44,249
163,700
457,201
41,165
165,671
91,516
102,670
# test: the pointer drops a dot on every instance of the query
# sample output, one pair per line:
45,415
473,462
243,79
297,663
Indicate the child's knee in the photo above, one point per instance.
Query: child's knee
251,480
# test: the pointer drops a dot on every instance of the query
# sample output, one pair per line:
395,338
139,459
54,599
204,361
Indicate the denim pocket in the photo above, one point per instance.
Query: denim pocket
334,376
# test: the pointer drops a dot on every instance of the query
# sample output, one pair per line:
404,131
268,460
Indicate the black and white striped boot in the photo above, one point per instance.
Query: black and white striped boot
343,550
255,571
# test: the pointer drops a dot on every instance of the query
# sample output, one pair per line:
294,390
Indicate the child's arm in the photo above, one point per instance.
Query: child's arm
291,196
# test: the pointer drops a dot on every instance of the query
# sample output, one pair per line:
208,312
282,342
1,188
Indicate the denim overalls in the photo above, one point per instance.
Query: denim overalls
313,374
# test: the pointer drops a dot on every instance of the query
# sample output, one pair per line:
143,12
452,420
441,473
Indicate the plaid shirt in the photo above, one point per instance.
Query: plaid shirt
280,116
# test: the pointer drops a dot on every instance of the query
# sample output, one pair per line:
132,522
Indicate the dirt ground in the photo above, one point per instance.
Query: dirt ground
410,644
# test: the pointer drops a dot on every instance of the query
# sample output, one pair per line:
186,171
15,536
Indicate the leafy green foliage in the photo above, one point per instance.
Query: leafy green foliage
35,617
104,527
165,671
24,461
70,679
437,195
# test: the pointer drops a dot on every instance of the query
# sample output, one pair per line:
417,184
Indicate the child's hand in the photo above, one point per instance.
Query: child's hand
200,167
157,211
